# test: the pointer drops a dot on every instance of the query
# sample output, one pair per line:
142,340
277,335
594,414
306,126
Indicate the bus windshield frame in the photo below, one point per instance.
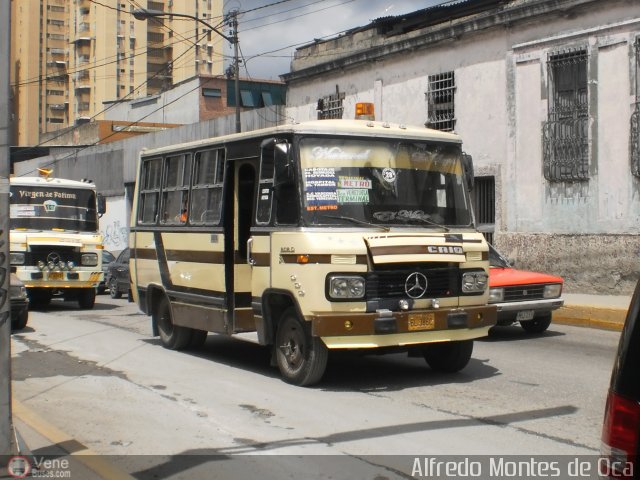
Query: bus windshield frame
383,183
53,208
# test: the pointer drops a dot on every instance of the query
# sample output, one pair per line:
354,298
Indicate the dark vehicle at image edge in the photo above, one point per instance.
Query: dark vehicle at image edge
117,277
621,426
19,303
107,258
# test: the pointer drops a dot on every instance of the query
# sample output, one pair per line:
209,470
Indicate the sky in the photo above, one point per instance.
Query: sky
269,36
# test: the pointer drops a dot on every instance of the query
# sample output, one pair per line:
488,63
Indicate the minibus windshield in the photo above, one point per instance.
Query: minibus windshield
383,183
51,207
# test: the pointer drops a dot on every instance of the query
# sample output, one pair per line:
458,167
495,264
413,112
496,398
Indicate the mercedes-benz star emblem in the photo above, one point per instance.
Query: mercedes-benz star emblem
416,285
53,257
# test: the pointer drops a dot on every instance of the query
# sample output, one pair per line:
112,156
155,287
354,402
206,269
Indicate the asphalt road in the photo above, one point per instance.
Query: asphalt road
100,377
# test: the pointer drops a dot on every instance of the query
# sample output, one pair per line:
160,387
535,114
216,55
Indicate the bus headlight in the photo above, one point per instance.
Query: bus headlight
342,287
16,258
41,265
496,295
89,259
552,291
474,282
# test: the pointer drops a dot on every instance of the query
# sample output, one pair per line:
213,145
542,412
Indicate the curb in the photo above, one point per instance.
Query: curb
64,441
592,316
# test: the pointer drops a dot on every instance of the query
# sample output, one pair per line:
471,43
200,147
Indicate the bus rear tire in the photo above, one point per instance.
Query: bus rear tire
448,357
172,336
301,358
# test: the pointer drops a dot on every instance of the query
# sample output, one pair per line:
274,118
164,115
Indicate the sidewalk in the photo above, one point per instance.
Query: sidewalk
595,311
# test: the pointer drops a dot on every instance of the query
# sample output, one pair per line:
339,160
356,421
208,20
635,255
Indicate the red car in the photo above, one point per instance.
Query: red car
521,296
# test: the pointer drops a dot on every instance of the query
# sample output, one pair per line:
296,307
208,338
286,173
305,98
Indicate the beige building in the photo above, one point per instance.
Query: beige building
68,57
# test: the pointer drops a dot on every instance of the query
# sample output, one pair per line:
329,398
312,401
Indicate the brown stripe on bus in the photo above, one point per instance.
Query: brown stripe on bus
293,258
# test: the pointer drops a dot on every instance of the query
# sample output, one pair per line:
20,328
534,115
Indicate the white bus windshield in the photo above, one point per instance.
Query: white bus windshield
383,183
47,208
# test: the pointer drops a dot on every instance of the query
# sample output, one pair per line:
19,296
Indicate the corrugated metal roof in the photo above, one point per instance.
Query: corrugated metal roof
433,15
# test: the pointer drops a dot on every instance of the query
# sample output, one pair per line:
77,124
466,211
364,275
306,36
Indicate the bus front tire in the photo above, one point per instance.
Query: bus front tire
301,358
87,298
39,297
172,336
448,357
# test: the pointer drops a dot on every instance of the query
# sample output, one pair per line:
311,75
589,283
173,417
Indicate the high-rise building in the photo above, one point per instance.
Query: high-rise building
68,57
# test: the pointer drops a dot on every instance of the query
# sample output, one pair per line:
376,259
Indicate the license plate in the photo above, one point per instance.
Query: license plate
524,315
422,321
55,276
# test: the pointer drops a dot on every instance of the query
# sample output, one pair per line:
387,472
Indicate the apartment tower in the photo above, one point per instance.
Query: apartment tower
68,57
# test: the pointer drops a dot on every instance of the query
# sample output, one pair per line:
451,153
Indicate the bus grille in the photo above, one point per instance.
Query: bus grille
441,282
47,252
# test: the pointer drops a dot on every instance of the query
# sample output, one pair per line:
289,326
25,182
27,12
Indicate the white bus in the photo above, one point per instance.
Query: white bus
56,247
319,236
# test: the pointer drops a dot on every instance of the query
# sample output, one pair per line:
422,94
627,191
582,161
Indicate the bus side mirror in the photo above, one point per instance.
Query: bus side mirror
102,204
467,166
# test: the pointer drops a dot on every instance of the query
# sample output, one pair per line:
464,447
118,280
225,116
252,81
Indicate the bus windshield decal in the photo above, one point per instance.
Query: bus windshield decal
383,181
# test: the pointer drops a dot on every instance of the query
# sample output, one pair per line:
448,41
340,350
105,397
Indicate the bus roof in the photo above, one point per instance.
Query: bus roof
50,182
362,128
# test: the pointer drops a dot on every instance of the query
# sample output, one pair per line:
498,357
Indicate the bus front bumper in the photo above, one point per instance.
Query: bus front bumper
60,280
385,328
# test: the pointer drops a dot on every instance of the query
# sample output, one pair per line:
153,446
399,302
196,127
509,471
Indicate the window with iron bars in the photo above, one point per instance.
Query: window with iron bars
484,205
330,106
440,101
634,138
565,133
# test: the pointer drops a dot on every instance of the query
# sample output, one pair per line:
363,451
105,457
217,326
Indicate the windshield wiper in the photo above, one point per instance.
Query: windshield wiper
426,221
358,221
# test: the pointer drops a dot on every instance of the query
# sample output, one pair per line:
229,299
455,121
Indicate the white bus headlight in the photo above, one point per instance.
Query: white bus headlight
496,295
552,291
474,282
346,287
16,258
89,259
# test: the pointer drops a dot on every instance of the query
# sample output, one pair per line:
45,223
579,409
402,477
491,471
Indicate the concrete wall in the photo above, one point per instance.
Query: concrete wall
585,231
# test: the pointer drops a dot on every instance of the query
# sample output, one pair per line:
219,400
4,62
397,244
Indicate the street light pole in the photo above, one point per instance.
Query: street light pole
145,14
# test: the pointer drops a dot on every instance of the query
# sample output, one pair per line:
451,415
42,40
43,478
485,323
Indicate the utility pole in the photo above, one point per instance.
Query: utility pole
6,424
145,14
236,65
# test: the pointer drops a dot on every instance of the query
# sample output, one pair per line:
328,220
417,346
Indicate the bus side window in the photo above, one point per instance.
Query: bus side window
175,188
265,184
149,191
287,207
276,176
206,193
